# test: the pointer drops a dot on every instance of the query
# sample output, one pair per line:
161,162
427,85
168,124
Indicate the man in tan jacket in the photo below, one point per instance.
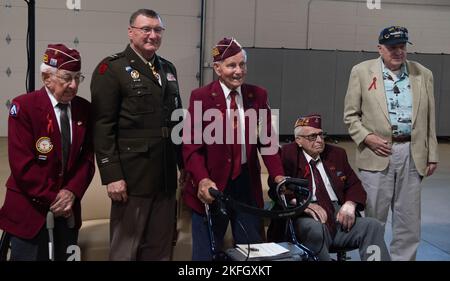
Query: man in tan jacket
389,111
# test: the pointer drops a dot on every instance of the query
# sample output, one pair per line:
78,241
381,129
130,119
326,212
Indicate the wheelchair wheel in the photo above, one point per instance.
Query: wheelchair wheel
4,246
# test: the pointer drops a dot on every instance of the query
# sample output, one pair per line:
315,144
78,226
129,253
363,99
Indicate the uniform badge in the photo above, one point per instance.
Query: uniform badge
102,68
134,74
215,51
44,145
14,110
171,77
53,62
341,176
79,123
42,157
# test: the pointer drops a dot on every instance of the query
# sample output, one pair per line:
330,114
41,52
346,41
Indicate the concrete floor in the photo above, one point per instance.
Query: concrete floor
435,243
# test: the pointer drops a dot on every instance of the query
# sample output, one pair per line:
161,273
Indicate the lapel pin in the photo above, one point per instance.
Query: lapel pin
213,94
79,123
373,84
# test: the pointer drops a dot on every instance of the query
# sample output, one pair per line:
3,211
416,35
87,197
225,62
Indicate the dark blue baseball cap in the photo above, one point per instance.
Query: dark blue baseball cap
393,35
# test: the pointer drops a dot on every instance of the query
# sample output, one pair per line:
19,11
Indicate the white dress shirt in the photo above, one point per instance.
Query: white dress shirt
57,111
324,176
240,105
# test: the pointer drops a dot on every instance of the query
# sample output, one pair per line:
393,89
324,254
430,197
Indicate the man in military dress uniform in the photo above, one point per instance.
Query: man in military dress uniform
51,157
134,94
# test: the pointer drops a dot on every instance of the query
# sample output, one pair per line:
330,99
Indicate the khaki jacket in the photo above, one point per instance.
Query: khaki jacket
366,112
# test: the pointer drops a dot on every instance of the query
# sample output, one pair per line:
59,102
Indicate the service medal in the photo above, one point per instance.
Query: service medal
134,74
44,145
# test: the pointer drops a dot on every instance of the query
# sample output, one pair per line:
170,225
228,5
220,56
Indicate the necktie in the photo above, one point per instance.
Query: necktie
65,133
323,198
155,73
236,147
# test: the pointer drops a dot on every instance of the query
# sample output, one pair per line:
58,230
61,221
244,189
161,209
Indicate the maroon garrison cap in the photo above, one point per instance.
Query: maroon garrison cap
312,120
227,47
61,57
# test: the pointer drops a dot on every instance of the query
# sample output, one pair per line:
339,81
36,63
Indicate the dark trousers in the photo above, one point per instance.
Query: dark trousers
37,248
246,228
142,228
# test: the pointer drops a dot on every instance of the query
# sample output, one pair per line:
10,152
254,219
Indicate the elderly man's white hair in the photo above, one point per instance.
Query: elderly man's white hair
298,131
45,68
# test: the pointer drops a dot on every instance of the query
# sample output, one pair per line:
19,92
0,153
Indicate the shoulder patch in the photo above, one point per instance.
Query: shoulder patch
171,77
102,68
115,56
14,109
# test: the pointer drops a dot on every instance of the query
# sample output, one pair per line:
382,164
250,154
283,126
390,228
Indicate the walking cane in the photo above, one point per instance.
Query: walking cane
50,223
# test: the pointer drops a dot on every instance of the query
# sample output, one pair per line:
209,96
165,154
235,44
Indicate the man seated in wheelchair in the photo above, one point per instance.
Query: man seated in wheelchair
330,220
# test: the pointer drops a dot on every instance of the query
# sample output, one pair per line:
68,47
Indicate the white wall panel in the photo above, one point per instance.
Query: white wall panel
101,29
280,24
350,25
231,18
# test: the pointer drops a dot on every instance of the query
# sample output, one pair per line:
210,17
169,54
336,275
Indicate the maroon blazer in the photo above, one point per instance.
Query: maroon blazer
343,179
34,147
214,160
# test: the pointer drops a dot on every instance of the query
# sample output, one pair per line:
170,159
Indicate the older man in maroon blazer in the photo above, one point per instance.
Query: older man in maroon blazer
230,162
51,159
330,219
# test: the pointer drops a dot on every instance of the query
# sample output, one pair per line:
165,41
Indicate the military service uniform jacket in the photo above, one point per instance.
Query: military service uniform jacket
132,114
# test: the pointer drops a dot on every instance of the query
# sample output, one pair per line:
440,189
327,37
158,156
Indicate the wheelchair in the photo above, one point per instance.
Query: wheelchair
4,246
287,230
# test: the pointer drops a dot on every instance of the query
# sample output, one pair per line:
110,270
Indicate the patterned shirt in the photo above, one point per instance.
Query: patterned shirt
399,100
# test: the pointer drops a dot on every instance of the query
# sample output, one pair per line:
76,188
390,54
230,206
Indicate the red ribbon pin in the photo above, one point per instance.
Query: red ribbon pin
374,84
307,171
49,124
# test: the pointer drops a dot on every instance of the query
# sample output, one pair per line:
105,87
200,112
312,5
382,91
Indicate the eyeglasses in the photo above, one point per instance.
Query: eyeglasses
148,30
67,78
313,137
